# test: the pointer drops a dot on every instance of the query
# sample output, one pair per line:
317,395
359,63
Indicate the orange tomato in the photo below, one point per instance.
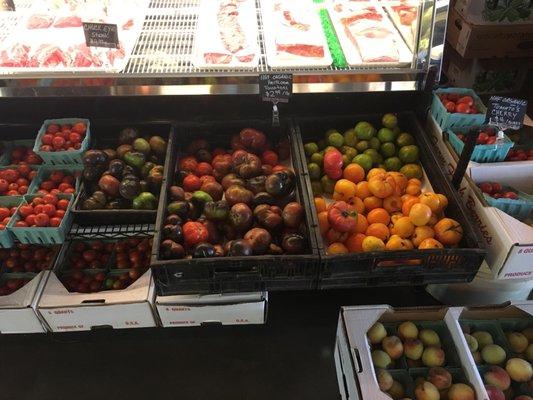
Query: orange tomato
354,243
344,190
372,202
406,197
403,227
381,187
376,172
357,203
362,191
337,248
431,200
354,173
443,201
362,224
378,215
392,203
372,243
448,231
400,180
414,181
407,204
422,233
378,230
395,217
430,243
397,243
320,204
413,190
433,219
323,222
419,214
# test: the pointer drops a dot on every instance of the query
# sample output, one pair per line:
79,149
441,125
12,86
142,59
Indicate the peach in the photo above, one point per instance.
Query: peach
396,391
407,330
497,376
472,342
494,393
413,349
460,391
384,379
381,359
529,353
376,333
393,346
483,338
427,391
519,370
493,354
433,357
440,377
517,341
429,337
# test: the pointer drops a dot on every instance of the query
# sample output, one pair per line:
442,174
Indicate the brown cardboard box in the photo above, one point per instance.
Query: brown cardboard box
486,41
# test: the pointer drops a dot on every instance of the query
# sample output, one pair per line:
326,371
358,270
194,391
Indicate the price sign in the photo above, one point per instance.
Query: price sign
276,88
101,35
7,5
506,112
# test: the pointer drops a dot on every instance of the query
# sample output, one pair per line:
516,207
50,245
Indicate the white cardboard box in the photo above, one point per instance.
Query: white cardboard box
226,309
509,242
18,310
131,307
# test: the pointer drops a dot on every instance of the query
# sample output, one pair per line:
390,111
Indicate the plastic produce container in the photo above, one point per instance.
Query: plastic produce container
519,208
402,267
448,120
46,170
44,235
483,152
71,157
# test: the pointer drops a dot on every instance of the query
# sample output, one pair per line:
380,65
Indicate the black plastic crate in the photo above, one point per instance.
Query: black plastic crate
105,135
394,268
233,274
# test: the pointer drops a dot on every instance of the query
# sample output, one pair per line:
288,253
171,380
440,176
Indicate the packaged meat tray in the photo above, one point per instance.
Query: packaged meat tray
50,37
405,16
293,35
227,35
367,35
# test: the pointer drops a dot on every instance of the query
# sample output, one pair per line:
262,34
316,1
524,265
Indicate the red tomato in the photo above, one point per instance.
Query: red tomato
342,217
10,175
47,139
13,210
79,127
54,192
33,159
32,174
52,128
25,210
482,138
47,185
62,204
21,224
49,209
55,222
69,190
63,186
4,212
462,108
24,170
50,199
38,200
58,142
23,190
453,97
38,209
450,106
57,176
22,182
42,192
13,193
466,100
13,186
74,137
333,164
42,220
194,233
30,219
3,185
65,127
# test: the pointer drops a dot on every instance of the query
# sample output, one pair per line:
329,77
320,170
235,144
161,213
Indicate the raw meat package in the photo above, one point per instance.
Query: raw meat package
227,34
294,35
367,35
50,38
404,14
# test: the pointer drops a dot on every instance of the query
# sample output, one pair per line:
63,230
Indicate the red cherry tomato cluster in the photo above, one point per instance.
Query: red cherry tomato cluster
455,103
44,211
83,281
58,182
495,190
28,258
519,155
63,138
133,253
90,255
24,155
486,136
14,181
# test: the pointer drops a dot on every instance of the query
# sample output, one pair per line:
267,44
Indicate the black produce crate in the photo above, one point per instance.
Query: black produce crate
105,135
394,268
234,274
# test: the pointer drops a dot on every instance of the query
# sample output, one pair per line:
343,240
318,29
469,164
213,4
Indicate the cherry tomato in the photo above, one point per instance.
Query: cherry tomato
450,106
462,108
466,100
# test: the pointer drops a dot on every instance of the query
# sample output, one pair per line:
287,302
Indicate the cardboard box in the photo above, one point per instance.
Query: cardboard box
486,41
131,307
509,242
18,310
225,309
495,12
355,370
496,75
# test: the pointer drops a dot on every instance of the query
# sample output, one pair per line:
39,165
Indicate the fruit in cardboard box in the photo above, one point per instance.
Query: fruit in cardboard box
460,391
498,377
440,378
393,346
433,357
494,393
483,338
426,391
413,349
381,359
493,354
376,333
517,341
471,342
384,379
429,337
407,330
519,370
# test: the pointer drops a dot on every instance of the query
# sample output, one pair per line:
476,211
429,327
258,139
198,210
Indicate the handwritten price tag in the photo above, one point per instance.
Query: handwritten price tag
101,35
275,87
506,112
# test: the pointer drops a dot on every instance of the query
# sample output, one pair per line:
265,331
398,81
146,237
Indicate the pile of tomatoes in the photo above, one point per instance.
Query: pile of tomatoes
44,211
455,103
63,137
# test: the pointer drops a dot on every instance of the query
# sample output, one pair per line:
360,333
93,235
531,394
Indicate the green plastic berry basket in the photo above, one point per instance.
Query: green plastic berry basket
482,152
42,235
6,237
12,144
448,120
72,157
46,170
519,208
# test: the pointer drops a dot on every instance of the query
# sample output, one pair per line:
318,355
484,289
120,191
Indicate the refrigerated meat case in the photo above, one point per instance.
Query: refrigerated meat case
160,83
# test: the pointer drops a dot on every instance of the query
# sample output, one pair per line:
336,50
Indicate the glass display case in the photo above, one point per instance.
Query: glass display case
174,47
